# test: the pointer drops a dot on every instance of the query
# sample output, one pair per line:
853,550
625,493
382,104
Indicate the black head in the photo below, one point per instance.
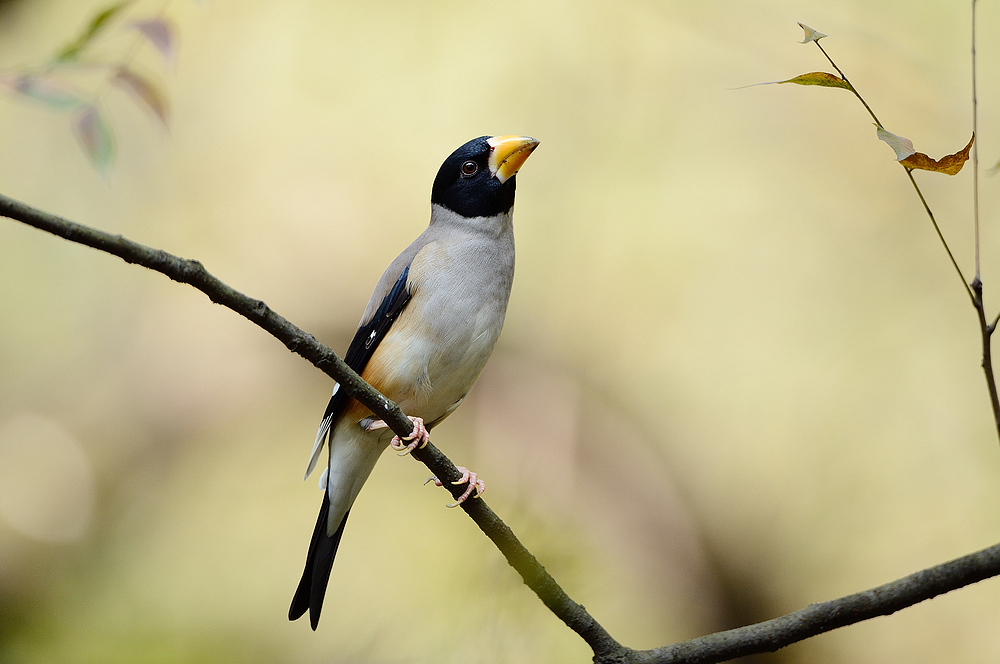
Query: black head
477,180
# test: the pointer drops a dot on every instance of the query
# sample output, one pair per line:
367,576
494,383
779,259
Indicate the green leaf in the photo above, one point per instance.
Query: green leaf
72,50
96,138
44,88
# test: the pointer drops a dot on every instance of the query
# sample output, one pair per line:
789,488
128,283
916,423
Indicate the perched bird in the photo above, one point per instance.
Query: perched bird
425,336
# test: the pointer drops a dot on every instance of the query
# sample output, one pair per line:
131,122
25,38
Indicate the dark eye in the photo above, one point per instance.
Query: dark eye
469,168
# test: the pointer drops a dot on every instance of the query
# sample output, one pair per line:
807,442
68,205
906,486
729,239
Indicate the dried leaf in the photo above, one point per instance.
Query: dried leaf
72,50
819,78
949,165
160,34
903,147
44,88
95,137
145,90
907,156
811,35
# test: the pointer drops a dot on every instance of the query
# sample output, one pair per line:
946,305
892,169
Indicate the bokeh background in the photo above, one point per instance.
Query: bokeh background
738,374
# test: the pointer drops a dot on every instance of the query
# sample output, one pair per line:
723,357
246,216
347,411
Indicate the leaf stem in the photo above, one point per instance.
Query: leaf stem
846,80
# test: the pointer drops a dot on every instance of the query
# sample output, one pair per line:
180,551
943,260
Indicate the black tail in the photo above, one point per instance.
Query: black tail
319,561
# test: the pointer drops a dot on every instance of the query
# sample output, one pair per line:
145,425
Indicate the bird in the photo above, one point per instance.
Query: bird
428,330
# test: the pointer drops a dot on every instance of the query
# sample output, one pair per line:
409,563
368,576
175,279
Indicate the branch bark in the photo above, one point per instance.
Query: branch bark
762,637
883,600
986,333
298,341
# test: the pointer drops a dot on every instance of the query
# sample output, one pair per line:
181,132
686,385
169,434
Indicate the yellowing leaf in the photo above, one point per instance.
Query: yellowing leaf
143,89
819,78
949,165
95,138
811,35
903,147
812,78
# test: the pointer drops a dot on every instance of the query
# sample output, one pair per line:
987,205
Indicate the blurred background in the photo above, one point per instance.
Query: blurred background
738,374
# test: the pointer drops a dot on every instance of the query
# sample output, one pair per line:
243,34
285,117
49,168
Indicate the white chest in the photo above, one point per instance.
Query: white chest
442,340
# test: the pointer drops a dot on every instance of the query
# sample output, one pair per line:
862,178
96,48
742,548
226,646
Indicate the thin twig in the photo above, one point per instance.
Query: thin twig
909,174
986,330
975,145
975,290
937,229
846,80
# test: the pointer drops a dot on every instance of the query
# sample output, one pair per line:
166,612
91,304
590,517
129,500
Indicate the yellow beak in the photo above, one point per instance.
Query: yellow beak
507,154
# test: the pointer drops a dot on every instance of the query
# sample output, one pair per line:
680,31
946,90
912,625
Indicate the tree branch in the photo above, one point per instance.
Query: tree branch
762,637
300,342
986,333
883,600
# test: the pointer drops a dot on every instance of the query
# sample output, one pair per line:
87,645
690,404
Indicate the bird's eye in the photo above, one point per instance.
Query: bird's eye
469,168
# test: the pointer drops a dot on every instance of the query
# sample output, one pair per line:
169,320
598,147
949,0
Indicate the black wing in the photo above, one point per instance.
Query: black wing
369,336
323,547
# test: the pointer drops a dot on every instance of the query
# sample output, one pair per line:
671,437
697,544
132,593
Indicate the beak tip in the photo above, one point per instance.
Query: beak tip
508,154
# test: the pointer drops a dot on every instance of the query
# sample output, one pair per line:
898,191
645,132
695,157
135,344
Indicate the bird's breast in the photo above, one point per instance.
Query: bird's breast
438,346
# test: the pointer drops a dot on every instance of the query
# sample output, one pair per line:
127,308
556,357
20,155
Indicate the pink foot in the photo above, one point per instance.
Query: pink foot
418,438
475,484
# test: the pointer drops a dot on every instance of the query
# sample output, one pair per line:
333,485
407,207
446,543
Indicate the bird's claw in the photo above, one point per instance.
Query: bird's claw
468,476
418,438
